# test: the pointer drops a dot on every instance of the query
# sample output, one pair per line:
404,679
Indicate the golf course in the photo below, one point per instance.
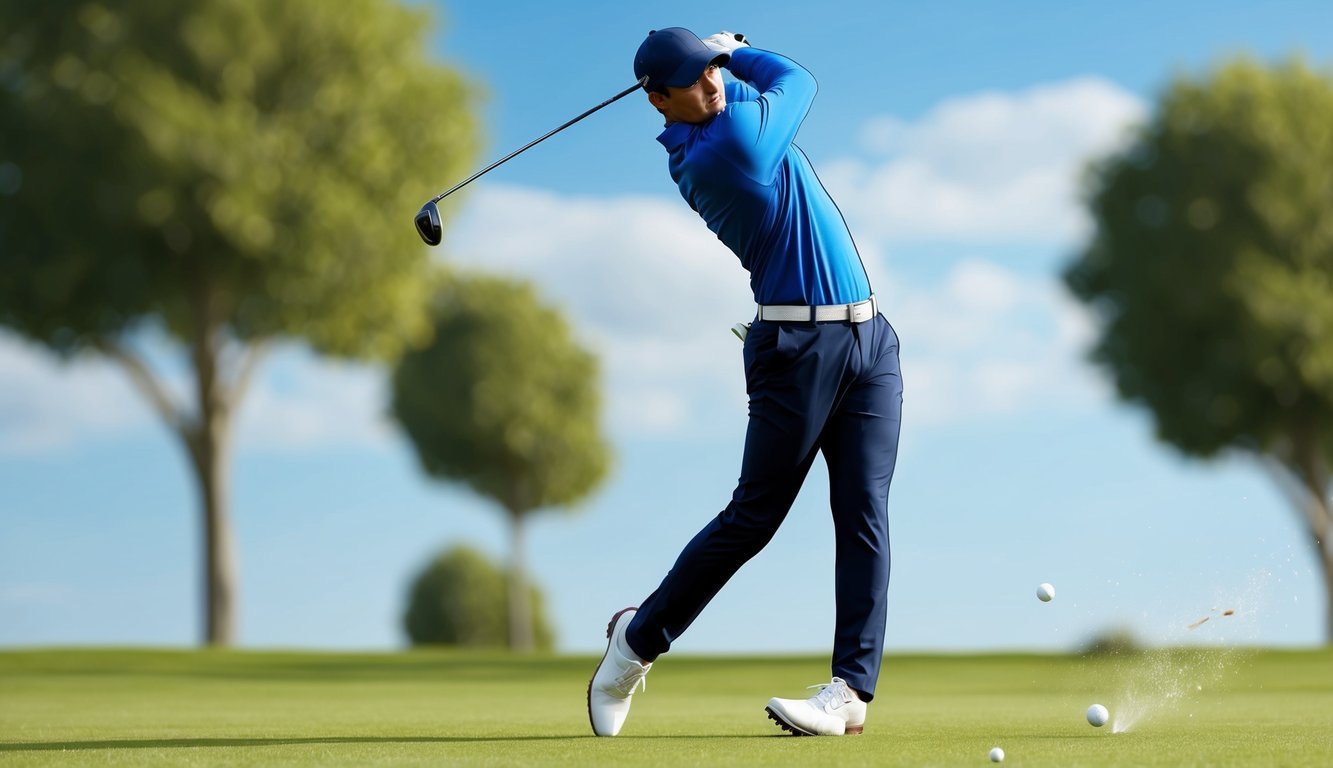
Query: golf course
154,707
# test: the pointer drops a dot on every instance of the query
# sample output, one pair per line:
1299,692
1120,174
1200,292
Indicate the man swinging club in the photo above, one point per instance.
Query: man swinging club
821,370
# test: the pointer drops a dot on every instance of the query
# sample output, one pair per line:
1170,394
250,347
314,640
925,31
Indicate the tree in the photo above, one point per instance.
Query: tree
461,598
1212,269
232,172
504,400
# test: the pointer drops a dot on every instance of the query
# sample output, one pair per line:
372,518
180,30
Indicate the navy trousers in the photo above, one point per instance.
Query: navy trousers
831,387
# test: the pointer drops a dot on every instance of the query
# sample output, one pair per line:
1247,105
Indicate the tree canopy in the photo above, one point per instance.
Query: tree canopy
258,157
461,598
1212,270
229,171
504,400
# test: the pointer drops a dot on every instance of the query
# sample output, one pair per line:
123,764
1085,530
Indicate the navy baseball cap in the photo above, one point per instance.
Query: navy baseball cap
674,56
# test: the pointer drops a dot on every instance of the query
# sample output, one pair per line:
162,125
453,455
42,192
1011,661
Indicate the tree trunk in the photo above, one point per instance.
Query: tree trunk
1321,535
1312,468
205,438
205,432
520,603
1320,516
1304,475
209,446
1328,588
212,470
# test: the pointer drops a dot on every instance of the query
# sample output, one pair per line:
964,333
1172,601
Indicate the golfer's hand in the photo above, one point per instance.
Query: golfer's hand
726,42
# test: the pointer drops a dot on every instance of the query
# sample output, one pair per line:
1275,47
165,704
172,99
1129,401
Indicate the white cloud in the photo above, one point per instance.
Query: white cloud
642,279
986,286
297,401
645,281
987,341
985,167
655,293
46,403
303,401
632,263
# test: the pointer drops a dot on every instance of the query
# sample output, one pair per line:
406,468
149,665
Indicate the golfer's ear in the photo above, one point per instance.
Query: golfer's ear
659,101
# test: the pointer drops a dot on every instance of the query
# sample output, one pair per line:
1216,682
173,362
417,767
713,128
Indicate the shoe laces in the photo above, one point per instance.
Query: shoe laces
835,690
633,676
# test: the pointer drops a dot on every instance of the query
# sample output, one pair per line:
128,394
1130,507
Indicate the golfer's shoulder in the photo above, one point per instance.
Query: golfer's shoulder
731,131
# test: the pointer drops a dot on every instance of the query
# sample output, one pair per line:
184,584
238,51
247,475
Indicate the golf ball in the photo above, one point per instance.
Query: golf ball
1097,715
1045,593
997,755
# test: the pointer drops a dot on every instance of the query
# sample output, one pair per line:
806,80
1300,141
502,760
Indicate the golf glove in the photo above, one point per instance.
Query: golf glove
726,42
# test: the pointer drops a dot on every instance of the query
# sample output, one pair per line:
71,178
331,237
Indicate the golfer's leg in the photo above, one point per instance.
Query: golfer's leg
775,463
861,448
791,396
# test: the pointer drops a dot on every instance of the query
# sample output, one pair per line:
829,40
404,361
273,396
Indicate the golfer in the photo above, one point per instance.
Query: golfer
821,370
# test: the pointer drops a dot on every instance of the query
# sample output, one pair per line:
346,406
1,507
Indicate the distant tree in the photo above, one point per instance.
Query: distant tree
1212,269
504,400
461,598
1113,641
231,172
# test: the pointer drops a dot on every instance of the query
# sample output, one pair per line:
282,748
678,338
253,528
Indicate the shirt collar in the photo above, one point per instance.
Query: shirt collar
674,135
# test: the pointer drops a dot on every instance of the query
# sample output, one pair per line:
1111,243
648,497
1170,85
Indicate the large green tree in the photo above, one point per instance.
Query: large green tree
1212,269
233,172
504,400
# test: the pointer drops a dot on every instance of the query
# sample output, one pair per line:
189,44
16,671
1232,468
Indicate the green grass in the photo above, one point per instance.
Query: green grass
129,707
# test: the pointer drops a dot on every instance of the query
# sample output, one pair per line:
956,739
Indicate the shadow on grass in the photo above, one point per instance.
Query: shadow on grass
59,746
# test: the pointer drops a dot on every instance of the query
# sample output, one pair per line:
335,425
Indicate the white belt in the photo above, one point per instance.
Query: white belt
859,312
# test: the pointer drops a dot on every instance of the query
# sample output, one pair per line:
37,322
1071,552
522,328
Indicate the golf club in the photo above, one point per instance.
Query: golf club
428,218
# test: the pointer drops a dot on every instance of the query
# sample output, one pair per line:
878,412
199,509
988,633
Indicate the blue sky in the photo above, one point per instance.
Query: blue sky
951,135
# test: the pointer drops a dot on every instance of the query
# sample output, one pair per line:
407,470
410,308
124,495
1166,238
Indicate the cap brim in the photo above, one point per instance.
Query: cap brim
693,68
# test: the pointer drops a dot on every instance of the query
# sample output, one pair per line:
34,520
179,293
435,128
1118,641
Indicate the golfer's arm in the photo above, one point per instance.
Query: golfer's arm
765,128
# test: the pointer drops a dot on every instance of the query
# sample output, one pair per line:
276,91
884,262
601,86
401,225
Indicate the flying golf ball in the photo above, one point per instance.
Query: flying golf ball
1045,593
1097,715
997,755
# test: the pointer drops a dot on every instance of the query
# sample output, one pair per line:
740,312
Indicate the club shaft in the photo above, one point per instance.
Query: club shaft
535,142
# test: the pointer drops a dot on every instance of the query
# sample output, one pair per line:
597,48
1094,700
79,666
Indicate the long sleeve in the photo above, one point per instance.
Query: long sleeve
756,133
757,191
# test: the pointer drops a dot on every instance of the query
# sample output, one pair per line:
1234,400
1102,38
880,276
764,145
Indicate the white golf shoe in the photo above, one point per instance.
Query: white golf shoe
834,711
615,680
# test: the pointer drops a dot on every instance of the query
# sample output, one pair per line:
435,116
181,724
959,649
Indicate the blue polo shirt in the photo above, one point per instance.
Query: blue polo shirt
757,191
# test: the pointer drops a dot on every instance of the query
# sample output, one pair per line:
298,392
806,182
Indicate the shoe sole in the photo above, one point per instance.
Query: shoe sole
852,730
609,628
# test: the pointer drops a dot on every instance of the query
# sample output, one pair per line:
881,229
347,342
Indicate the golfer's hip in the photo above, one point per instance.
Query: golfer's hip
855,312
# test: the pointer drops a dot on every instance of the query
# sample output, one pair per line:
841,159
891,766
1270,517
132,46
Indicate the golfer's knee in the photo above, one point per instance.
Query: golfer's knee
743,525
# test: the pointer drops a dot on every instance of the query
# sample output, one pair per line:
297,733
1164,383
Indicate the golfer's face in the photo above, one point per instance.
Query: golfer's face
700,102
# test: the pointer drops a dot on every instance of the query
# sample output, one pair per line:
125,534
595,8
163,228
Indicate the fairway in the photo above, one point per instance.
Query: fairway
128,707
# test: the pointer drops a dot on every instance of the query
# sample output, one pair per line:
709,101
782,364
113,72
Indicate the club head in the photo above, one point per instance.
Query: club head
428,223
